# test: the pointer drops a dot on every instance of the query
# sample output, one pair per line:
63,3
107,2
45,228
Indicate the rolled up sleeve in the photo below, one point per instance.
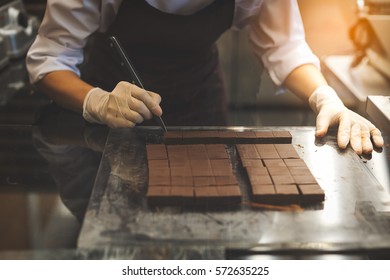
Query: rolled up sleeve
278,38
62,36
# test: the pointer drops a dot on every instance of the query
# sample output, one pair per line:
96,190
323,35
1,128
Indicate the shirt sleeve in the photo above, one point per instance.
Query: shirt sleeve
278,38
62,36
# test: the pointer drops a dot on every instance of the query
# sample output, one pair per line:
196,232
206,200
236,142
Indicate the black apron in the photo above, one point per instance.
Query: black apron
175,56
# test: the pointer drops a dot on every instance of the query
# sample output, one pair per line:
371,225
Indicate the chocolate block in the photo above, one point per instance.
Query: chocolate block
225,180
278,170
177,152
178,171
182,181
201,168
206,196
227,136
286,151
287,194
306,179
248,162
154,171
257,171
299,170
311,194
221,167
230,194
156,151
204,181
182,196
246,137
282,179
173,137
266,151
274,162
158,163
247,151
264,194
197,151
158,196
159,181
282,137
290,162
260,180
216,151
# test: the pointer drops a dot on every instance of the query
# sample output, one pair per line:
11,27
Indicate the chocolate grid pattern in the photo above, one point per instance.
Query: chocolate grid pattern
277,175
190,175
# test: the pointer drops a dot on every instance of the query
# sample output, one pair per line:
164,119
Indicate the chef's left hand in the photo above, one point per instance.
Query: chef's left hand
353,128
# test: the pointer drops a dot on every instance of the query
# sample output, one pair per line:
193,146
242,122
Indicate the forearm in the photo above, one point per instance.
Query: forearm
304,80
66,89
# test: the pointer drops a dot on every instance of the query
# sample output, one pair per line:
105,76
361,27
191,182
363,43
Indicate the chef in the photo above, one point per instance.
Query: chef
172,45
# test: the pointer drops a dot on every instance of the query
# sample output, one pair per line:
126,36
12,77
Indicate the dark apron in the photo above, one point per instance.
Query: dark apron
175,56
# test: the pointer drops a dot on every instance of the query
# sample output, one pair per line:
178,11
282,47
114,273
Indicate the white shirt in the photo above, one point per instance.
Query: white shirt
275,30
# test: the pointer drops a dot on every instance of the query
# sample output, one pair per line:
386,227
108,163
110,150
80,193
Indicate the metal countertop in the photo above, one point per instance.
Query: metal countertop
354,216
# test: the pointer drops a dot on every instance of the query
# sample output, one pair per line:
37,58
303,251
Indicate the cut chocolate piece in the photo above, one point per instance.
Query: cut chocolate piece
157,195
197,151
204,181
156,151
266,151
299,170
290,162
247,151
306,179
257,171
225,180
249,162
182,181
264,194
311,194
216,151
182,196
260,180
274,162
282,137
283,179
230,194
178,171
159,181
278,170
287,194
286,151
177,152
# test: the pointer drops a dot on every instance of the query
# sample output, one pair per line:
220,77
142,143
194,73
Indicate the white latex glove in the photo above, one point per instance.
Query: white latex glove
353,128
125,106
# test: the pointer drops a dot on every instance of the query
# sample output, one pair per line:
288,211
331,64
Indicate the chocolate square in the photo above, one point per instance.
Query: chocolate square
306,179
158,196
229,194
182,196
182,181
216,151
311,194
247,151
282,179
282,137
286,151
264,194
274,162
287,194
156,151
204,181
266,151
290,162
225,180
278,170
259,171
260,180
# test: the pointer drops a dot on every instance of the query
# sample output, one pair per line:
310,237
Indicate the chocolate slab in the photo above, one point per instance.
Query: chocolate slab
158,196
311,194
290,162
286,151
182,196
216,151
282,137
260,180
266,151
156,151
306,179
226,180
248,162
247,151
264,194
259,171
273,162
182,181
282,179
202,181
287,194
230,194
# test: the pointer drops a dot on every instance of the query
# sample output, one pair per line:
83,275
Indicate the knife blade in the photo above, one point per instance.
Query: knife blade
130,70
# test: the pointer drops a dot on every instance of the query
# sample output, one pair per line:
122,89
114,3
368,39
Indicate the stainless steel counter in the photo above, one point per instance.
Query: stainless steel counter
354,216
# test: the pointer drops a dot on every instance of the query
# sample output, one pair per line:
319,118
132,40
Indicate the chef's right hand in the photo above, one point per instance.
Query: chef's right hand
126,106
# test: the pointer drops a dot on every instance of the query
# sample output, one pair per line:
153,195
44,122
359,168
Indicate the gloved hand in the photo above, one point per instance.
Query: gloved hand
125,106
353,128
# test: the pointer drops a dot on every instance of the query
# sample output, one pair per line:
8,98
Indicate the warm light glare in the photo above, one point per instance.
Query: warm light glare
360,4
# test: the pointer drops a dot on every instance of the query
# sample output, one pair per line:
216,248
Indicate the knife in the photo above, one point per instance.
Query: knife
128,66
